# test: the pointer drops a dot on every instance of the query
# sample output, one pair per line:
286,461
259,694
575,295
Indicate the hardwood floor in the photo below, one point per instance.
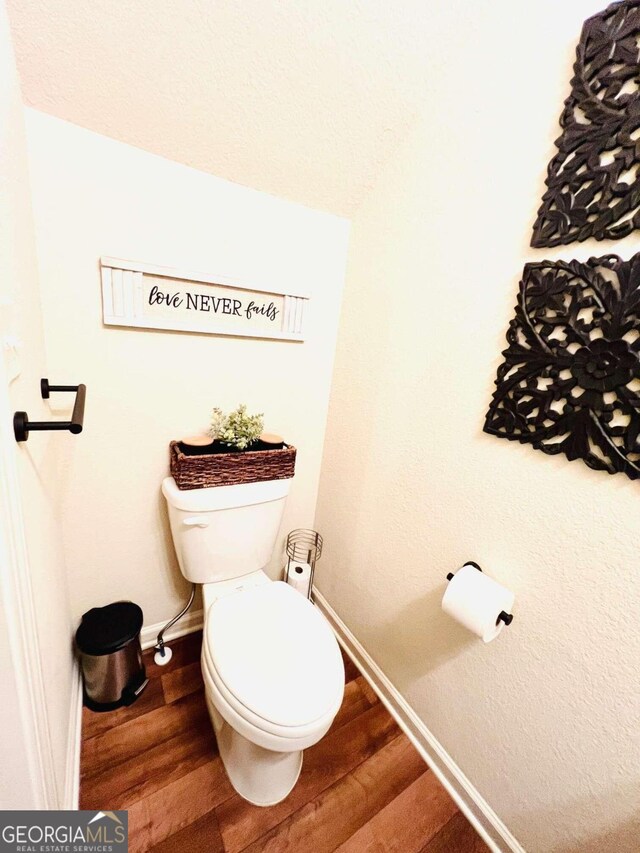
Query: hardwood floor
363,788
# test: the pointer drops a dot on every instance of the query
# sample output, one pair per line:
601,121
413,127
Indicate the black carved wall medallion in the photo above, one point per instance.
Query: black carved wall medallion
570,381
593,182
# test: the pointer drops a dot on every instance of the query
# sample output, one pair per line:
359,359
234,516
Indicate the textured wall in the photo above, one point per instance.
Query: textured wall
545,721
93,196
303,100
38,460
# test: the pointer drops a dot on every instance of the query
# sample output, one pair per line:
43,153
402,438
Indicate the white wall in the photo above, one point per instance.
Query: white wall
545,721
303,99
94,196
37,464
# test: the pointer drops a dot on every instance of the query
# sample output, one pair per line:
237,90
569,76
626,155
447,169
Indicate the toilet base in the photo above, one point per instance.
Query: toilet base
261,776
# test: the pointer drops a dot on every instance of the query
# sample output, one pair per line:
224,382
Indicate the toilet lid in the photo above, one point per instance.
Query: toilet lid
275,653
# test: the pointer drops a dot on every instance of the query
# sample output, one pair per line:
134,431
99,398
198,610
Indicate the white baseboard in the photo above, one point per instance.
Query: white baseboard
74,743
477,811
190,622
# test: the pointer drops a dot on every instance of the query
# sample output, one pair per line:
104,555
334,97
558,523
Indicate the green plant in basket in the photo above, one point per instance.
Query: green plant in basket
236,429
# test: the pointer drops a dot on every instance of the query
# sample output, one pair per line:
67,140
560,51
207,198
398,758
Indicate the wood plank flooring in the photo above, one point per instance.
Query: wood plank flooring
363,788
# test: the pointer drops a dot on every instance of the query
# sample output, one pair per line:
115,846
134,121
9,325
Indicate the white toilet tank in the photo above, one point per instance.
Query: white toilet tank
227,531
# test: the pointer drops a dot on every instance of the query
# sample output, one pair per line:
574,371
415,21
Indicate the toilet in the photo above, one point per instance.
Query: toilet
272,668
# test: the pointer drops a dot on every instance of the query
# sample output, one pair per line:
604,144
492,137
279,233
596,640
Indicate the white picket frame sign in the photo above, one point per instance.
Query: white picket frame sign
122,301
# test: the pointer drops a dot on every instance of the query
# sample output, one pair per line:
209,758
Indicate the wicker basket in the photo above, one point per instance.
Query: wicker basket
229,469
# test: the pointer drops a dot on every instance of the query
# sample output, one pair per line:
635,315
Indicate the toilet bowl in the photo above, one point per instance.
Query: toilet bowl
272,668
274,681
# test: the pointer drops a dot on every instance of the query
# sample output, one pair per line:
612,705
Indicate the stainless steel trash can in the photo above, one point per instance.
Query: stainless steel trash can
108,641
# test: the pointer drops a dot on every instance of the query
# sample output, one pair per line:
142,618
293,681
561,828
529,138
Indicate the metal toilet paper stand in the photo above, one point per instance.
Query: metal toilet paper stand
507,618
303,546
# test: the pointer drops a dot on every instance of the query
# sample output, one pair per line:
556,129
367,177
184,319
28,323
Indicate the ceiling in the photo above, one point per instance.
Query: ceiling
304,99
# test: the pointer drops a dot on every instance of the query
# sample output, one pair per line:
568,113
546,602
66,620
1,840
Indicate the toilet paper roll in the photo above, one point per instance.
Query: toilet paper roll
300,577
476,600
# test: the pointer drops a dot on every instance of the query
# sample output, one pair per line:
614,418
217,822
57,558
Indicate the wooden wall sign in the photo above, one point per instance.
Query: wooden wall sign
152,297
593,182
570,380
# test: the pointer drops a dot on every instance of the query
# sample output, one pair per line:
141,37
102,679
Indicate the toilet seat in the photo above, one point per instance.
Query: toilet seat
274,664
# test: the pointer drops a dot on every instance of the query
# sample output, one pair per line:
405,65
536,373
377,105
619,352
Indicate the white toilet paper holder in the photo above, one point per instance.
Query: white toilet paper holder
503,616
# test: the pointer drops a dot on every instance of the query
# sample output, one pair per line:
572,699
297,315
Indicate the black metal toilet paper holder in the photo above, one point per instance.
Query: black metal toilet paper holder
503,616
